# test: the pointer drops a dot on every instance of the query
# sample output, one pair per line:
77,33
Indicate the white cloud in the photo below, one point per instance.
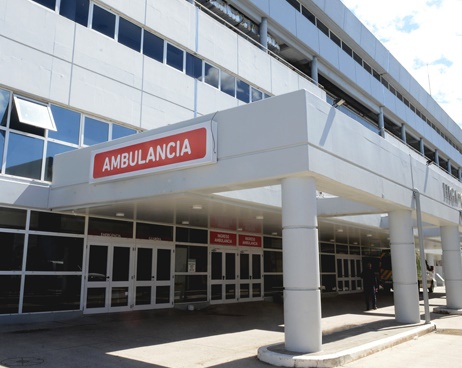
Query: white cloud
426,37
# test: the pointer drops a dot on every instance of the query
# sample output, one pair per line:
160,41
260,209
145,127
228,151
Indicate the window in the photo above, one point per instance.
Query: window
51,293
55,222
103,21
347,49
186,254
95,131
295,4
376,74
228,84
211,75
153,46
188,235
24,156
76,10
336,40
129,34
367,67
193,66
322,27
256,94
243,91
98,226
48,3
157,232
34,114
67,124
119,131
4,103
357,58
2,146
9,294
11,251
175,57
52,150
308,15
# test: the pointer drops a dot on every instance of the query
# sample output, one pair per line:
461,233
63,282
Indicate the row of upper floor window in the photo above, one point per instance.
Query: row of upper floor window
127,33
32,133
349,51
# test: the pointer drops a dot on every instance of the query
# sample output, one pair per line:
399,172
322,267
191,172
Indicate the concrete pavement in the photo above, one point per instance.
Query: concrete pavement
229,336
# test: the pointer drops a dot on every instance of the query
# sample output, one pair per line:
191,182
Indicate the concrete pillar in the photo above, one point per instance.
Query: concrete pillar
422,147
403,259
449,167
403,133
459,173
381,122
452,266
264,32
437,158
302,295
314,69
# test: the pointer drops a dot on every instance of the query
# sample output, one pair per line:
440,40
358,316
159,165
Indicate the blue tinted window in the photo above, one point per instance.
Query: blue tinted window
193,66
103,21
76,10
243,91
95,131
4,102
175,57
52,150
129,34
228,84
119,131
2,145
68,125
48,3
211,75
256,95
24,156
153,46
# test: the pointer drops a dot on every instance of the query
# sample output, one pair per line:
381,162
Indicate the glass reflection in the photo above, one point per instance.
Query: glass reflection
24,156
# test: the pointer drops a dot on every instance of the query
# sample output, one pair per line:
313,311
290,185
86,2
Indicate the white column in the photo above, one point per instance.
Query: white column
403,258
314,70
452,266
264,32
302,296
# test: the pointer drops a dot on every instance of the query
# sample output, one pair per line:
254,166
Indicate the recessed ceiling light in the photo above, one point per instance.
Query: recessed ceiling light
197,206
259,217
275,233
340,230
120,214
369,235
185,222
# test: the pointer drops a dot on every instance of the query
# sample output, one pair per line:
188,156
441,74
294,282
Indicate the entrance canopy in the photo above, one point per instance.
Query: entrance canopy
254,146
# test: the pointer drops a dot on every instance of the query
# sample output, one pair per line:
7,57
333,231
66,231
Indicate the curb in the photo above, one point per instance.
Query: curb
268,355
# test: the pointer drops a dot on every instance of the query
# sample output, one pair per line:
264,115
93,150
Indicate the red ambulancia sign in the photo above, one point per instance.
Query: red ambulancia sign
220,238
180,148
250,241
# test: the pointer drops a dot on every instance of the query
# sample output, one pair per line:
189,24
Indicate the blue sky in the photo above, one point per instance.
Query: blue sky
426,37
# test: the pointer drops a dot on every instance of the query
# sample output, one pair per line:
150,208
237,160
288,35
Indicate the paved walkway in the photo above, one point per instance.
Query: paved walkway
218,336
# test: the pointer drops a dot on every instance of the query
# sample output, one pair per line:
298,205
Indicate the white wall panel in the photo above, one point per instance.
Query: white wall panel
107,97
175,19
132,9
103,55
264,5
210,99
158,112
168,83
222,53
284,14
328,50
307,33
50,33
25,69
60,83
283,80
254,64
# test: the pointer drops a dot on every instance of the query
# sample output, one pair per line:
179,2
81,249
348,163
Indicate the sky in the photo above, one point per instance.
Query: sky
425,36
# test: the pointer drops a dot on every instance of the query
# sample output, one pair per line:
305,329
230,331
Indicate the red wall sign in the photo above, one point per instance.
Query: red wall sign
219,238
250,241
180,148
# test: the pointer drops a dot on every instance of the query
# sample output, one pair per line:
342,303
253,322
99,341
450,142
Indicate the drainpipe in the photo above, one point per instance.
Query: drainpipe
423,266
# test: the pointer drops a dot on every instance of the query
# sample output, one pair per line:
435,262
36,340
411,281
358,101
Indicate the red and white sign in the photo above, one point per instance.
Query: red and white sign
220,238
175,149
250,241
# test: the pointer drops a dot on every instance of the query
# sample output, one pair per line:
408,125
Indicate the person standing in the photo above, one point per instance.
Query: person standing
371,287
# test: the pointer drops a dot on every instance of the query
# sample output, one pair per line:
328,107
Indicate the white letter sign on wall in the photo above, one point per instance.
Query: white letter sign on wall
185,147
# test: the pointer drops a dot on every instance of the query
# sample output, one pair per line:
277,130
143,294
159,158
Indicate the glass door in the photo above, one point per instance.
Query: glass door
349,274
250,276
223,277
153,277
108,286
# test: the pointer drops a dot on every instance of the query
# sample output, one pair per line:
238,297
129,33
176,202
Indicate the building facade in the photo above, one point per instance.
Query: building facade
80,77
